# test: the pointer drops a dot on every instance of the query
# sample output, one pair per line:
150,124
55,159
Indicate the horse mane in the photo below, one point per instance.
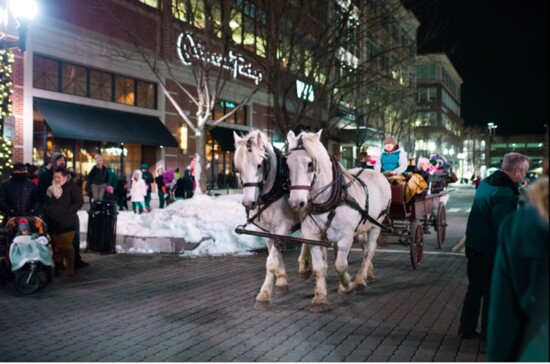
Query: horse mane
317,152
260,147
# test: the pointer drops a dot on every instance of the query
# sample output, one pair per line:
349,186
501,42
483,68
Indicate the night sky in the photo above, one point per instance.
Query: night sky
500,49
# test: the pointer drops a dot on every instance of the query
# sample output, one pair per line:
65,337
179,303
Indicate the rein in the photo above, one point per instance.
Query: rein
277,191
339,195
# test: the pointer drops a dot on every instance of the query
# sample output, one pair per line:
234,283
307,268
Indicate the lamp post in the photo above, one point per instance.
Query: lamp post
492,127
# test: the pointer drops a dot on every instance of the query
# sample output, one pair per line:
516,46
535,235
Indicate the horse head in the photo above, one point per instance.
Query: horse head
309,164
254,162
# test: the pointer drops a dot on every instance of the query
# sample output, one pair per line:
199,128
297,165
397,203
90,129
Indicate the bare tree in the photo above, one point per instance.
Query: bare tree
204,46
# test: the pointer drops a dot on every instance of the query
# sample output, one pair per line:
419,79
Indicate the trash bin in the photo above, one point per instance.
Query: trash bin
101,236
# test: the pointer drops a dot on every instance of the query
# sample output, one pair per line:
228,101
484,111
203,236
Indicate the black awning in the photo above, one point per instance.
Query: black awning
224,137
75,121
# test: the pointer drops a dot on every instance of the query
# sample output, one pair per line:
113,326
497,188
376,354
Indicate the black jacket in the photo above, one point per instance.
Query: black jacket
18,196
61,213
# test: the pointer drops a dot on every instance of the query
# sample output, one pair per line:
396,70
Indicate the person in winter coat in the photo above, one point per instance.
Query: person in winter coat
18,194
496,197
188,183
393,160
121,193
138,191
97,179
32,173
63,200
148,178
159,181
46,177
517,330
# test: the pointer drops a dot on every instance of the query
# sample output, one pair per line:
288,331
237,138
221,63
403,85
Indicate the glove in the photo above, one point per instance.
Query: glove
42,240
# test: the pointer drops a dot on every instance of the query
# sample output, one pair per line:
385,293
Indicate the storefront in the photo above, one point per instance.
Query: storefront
81,132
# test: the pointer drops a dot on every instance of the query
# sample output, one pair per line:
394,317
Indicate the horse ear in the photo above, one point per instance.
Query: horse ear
318,134
290,136
237,138
259,141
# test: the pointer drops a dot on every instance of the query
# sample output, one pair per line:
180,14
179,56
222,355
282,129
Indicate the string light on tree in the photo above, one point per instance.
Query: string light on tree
7,60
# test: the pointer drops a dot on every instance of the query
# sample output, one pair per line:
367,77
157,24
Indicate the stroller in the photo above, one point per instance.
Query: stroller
26,244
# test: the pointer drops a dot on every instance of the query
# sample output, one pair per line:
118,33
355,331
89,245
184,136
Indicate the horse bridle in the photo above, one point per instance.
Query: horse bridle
265,170
300,146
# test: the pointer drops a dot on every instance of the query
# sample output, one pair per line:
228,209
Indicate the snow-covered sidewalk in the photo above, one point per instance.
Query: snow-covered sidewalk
206,219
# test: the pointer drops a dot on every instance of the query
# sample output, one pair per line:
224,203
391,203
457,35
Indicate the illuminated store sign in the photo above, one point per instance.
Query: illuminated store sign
188,49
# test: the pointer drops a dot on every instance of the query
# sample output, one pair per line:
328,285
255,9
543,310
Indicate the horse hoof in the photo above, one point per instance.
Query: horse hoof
261,305
360,287
347,295
305,275
281,290
318,307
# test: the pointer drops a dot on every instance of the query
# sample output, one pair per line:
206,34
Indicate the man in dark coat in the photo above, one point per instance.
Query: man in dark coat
518,314
496,197
18,194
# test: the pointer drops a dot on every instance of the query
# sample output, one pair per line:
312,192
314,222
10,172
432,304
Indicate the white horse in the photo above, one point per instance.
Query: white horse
340,206
264,178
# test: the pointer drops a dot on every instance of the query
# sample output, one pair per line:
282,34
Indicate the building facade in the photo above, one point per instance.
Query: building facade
115,77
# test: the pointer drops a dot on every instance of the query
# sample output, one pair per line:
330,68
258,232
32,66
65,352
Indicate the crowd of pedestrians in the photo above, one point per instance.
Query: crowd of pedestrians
507,268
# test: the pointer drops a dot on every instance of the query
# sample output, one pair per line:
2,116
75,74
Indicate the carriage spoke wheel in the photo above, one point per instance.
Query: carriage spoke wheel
416,245
440,224
27,281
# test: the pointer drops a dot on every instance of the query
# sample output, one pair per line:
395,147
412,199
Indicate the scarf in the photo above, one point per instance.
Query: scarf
55,189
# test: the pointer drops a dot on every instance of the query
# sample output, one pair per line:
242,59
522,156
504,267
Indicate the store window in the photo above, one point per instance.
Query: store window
225,107
88,82
101,85
73,79
146,93
45,74
124,90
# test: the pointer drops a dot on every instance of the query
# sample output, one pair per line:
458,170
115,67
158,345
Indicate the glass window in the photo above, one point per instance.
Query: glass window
151,3
425,72
124,90
146,93
101,85
73,79
225,107
45,73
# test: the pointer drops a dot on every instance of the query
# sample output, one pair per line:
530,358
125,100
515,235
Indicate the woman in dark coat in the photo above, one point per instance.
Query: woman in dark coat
63,200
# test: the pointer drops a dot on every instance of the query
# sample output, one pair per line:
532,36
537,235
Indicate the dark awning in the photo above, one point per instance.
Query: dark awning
224,137
75,121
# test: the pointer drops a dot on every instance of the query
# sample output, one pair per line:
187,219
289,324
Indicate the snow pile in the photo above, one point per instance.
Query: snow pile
205,219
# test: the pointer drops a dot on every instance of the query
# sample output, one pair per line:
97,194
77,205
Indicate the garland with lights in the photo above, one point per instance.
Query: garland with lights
7,59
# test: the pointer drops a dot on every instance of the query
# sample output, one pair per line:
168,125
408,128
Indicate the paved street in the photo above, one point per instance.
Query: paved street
169,308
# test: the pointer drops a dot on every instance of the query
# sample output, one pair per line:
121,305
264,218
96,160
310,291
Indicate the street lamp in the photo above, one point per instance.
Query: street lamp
22,12
492,128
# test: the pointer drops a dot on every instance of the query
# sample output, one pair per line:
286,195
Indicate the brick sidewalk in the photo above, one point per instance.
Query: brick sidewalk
168,308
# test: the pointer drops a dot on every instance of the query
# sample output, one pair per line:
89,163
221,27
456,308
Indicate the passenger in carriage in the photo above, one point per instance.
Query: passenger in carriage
417,179
439,166
393,160
364,161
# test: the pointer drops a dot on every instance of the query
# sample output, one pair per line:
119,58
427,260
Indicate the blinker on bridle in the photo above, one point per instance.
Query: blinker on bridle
265,171
300,146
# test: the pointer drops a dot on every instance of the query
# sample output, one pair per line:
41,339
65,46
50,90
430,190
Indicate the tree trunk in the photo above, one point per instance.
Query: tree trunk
200,162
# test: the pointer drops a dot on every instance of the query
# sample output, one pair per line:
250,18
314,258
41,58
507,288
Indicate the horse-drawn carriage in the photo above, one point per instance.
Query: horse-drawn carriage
410,220
333,206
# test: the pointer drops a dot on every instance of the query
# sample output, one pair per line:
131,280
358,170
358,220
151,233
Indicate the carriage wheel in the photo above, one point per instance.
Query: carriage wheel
27,281
440,224
416,245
